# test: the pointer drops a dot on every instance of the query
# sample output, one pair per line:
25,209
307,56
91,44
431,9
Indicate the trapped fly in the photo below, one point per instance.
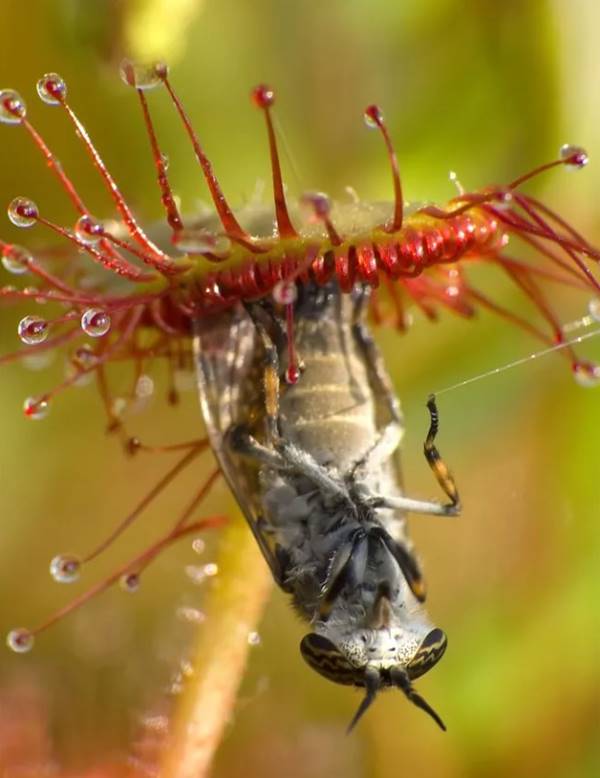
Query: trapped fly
313,463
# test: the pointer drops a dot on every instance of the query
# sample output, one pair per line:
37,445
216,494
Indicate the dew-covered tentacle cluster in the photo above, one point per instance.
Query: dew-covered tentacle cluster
419,256
114,290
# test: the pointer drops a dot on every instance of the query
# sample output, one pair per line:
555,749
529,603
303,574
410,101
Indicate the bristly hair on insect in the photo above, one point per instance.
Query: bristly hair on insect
150,287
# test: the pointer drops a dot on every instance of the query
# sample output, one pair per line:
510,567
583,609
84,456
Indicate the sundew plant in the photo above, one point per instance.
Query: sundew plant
102,295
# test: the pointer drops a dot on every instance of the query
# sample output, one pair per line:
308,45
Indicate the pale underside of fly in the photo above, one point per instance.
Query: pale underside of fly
314,467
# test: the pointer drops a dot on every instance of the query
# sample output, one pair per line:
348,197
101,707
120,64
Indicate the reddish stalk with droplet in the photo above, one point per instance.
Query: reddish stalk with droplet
264,97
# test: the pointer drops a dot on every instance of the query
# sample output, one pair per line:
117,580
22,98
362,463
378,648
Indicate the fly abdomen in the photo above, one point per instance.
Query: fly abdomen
330,411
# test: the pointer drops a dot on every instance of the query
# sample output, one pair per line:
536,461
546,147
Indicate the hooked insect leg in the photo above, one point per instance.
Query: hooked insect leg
441,472
437,464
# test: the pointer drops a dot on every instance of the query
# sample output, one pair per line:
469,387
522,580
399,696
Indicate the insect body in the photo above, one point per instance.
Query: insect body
313,464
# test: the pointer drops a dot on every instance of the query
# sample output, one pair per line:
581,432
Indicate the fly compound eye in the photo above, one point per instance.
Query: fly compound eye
430,652
324,657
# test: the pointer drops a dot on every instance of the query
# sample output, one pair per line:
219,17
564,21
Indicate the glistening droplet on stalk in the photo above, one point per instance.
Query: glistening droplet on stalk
12,107
84,357
36,408
65,568
574,156
20,640
23,212
129,582
587,374
142,76
33,330
52,89
16,259
285,293
88,229
95,322
594,308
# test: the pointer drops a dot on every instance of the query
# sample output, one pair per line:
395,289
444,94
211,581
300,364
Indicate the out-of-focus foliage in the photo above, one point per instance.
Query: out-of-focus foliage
484,88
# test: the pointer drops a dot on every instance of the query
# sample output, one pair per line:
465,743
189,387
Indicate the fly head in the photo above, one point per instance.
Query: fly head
375,658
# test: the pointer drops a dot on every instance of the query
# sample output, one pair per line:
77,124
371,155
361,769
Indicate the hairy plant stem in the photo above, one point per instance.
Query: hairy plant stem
233,609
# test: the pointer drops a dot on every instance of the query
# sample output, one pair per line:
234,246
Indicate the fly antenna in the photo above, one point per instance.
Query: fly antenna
374,119
372,685
263,97
401,680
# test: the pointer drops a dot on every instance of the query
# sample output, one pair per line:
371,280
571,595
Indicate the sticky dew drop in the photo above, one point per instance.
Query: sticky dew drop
587,374
142,76
130,582
16,260
95,322
52,89
12,107
36,408
574,157
32,330
20,640
23,212
88,229
65,568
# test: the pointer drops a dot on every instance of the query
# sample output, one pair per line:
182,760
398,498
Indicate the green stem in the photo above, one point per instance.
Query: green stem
233,609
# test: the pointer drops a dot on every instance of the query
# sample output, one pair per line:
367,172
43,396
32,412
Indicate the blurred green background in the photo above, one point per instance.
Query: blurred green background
484,88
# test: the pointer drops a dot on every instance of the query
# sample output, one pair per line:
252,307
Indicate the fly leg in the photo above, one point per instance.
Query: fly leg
437,464
441,472
391,434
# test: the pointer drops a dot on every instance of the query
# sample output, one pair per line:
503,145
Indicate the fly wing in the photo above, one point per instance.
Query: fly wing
229,365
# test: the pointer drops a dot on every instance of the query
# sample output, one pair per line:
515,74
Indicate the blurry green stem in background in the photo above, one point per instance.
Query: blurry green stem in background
233,608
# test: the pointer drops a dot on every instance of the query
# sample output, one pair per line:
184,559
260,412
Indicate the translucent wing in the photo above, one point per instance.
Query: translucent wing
230,364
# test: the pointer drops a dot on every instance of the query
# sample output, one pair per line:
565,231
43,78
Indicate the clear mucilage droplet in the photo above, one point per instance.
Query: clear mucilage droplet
130,582
32,330
587,374
20,640
84,357
373,117
65,568
574,156
16,260
23,212
88,229
594,308
142,76
254,639
36,408
12,107
52,89
144,387
95,322
285,293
